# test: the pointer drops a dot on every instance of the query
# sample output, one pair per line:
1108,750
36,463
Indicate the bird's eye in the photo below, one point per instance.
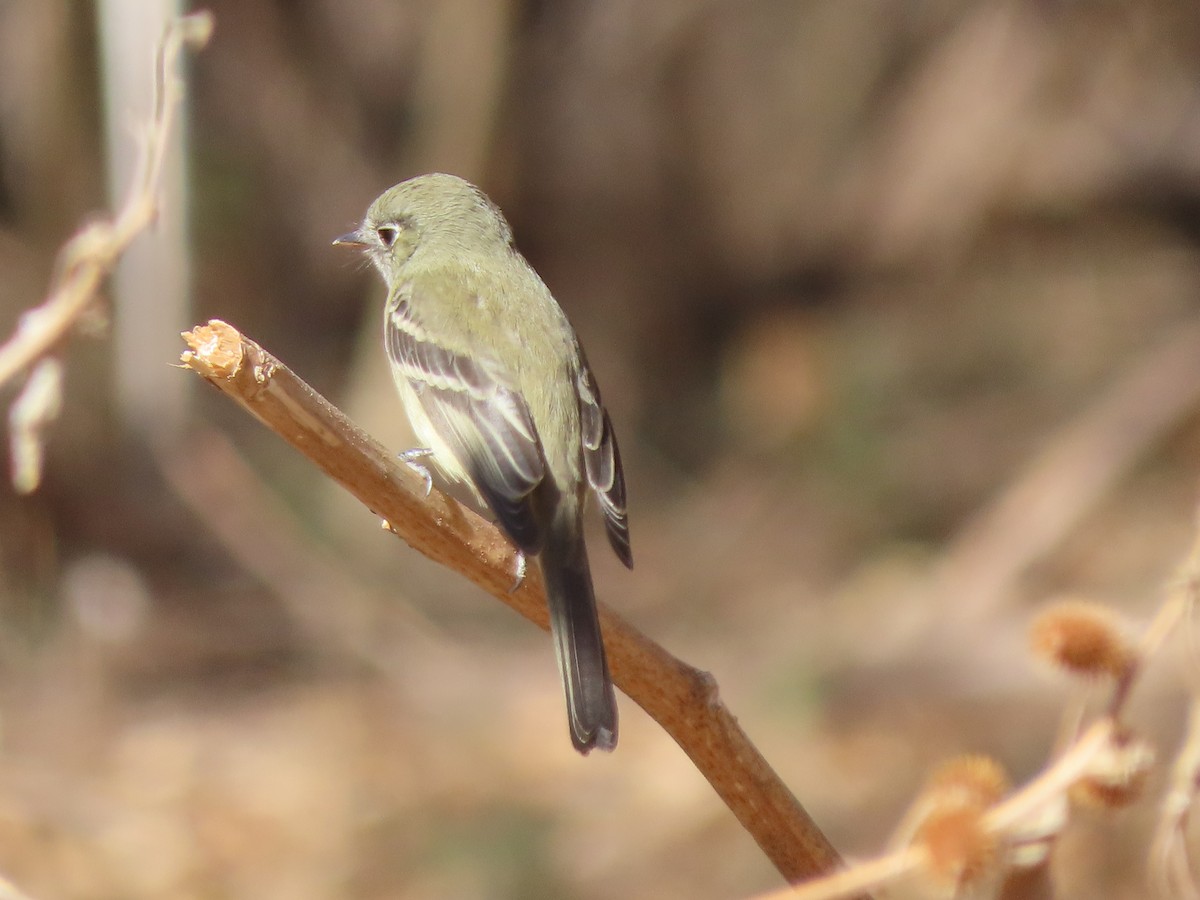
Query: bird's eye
387,234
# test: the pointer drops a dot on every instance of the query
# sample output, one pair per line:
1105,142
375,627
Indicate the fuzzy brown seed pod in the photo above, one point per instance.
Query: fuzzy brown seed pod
1081,638
974,779
950,820
961,849
1117,775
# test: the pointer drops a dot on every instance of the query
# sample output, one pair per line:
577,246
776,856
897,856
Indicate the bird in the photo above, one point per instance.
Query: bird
500,395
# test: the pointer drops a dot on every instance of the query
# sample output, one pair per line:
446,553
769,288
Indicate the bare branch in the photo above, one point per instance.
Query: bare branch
1036,813
89,256
683,700
37,406
1171,858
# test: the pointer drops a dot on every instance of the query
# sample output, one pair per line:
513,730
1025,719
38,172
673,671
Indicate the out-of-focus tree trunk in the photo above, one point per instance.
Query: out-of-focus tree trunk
151,284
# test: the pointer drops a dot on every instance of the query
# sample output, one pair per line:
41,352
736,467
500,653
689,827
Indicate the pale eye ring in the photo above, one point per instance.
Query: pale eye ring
387,234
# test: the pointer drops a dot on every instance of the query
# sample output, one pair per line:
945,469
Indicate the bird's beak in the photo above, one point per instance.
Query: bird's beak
352,239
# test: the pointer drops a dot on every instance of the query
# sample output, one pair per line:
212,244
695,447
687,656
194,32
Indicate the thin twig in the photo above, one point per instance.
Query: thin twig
1170,859
683,700
89,256
1054,780
34,410
887,869
1076,761
865,876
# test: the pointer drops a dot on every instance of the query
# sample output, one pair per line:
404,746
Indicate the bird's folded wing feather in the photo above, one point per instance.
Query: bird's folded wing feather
602,460
484,422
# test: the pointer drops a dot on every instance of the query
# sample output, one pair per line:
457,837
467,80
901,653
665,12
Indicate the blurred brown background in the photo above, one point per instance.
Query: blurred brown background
848,273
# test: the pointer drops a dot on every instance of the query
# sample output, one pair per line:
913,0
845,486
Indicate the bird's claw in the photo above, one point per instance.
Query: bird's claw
410,457
519,575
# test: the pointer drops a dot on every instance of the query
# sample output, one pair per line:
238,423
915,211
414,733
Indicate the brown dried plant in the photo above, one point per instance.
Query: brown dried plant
959,831
85,261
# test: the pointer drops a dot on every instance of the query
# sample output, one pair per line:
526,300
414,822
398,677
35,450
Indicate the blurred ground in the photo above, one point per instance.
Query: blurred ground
847,274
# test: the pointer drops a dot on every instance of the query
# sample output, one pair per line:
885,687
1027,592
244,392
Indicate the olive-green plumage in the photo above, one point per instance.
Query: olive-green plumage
496,385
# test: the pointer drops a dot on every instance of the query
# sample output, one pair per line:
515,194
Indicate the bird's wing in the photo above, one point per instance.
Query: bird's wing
602,460
480,418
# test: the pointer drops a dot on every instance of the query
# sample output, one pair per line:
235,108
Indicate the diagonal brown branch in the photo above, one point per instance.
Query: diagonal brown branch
683,700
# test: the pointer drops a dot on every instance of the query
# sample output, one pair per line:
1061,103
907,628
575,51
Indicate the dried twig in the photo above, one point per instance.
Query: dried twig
89,256
877,873
1020,815
34,410
683,700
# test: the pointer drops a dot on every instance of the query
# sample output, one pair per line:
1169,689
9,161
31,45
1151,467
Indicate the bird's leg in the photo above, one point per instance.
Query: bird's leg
410,458
519,575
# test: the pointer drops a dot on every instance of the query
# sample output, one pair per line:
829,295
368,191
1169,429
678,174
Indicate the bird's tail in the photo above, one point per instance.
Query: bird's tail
575,628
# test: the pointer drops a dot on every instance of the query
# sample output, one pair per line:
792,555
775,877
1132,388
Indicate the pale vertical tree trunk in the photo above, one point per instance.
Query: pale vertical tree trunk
151,283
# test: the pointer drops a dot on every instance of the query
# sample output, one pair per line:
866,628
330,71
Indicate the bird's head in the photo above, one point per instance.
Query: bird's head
440,211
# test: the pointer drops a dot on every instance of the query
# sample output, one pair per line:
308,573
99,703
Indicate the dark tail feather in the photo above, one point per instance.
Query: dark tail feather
575,628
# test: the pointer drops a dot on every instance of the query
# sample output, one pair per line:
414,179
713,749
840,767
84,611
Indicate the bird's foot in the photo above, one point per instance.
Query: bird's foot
410,458
519,575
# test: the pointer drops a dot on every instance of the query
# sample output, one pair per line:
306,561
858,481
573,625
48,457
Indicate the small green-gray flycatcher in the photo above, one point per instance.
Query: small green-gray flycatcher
497,388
